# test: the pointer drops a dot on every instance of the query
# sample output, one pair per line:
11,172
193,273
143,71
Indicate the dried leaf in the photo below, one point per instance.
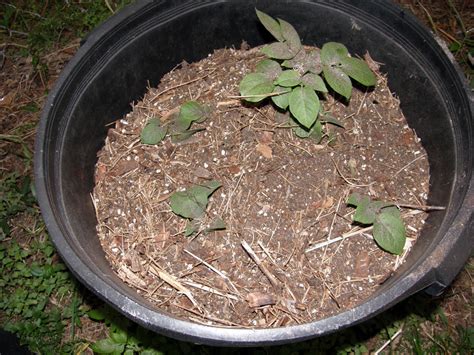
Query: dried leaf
264,150
265,137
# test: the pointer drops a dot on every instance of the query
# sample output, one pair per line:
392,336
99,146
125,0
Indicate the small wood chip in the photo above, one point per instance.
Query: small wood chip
259,299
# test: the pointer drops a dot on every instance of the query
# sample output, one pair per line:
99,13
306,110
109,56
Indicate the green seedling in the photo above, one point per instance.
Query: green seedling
177,126
192,204
388,228
293,76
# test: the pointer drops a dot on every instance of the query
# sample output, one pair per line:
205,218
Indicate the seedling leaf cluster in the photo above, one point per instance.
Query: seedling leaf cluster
294,76
388,228
192,204
177,124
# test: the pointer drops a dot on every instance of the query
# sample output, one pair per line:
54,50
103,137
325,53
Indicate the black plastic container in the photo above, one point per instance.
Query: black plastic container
147,39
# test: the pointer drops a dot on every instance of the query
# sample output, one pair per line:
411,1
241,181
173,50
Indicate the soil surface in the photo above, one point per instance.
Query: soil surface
280,260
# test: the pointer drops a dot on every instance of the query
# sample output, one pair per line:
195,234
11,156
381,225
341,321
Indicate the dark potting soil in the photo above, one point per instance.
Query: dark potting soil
281,259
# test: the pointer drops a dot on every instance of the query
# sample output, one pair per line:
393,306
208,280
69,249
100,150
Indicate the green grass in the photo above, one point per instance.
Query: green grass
34,26
43,304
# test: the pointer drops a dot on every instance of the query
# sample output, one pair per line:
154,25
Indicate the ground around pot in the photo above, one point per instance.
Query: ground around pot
283,200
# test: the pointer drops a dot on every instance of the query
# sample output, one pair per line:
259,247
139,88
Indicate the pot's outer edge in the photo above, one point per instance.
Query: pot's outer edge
433,269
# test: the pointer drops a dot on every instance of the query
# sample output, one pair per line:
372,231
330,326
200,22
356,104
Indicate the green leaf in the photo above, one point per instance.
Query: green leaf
119,336
282,100
151,352
338,81
288,78
177,136
270,24
304,105
291,36
363,214
314,81
189,112
191,228
217,224
192,203
96,314
296,61
278,50
153,132
312,62
354,199
269,67
255,87
186,206
107,346
315,132
326,118
358,70
389,233
332,53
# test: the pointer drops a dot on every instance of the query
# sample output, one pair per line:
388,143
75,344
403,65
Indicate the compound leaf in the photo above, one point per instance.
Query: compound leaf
153,132
389,233
269,67
304,105
332,53
278,50
291,36
282,100
314,82
288,78
312,62
338,81
358,70
255,87
271,25
315,132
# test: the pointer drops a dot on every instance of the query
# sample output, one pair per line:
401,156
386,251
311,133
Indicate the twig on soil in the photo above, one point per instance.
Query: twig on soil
261,95
420,207
337,239
334,217
392,338
205,316
265,250
171,280
261,266
430,19
210,290
182,84
346,179
407,165
361,103
229,103
212,268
